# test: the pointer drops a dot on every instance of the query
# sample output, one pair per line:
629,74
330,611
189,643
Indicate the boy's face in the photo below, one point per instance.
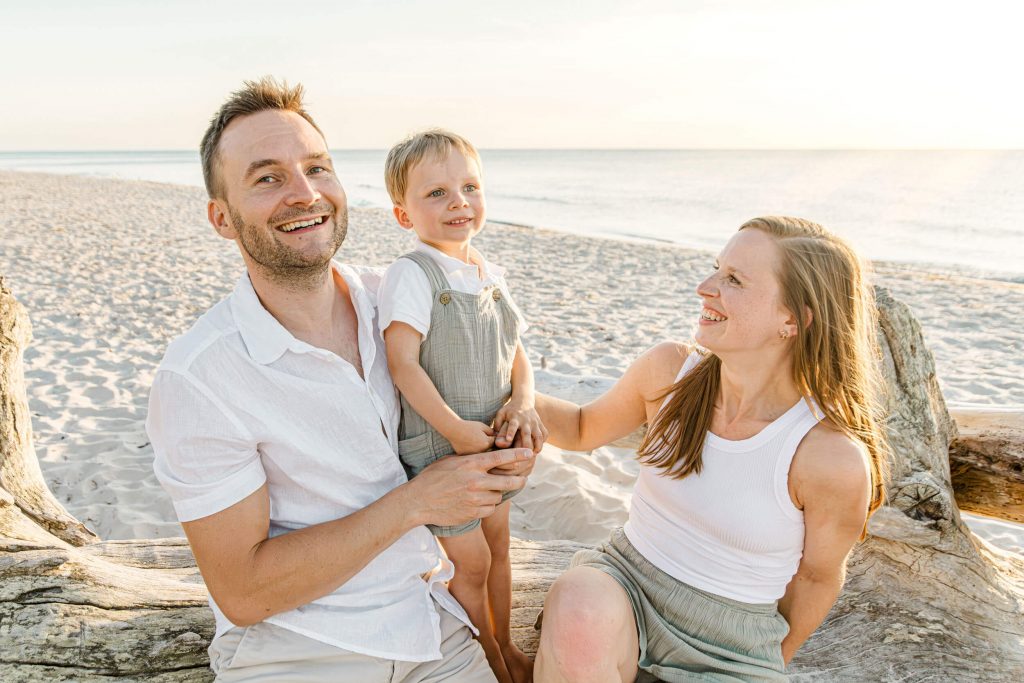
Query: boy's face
444,203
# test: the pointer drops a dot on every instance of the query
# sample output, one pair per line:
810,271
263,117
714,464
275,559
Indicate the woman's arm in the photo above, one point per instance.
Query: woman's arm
402,342
832,482
619,411
520,413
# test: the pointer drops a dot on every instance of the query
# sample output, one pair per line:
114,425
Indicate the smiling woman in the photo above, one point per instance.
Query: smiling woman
763,461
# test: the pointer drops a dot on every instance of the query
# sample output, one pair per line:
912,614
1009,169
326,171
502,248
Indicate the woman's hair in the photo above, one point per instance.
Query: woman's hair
834,356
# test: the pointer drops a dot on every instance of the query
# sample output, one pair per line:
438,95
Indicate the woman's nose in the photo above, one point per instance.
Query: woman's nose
706,288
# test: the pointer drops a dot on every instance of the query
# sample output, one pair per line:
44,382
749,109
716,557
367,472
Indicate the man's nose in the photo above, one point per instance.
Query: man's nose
301,190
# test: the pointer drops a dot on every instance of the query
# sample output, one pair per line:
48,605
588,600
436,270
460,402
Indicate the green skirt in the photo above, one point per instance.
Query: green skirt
687,634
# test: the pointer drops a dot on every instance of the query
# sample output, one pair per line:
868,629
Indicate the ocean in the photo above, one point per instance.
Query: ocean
946,210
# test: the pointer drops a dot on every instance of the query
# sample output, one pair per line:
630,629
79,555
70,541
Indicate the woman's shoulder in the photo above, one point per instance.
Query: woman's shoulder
657,368
829,460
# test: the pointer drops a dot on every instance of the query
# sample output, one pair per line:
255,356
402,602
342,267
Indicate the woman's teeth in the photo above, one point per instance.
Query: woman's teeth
711,315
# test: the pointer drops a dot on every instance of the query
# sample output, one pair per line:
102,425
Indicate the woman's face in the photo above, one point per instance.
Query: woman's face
742,300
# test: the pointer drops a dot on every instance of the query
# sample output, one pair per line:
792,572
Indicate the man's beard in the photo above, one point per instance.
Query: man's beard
281,262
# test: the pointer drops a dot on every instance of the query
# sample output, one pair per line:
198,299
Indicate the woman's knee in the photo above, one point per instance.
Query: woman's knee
589,629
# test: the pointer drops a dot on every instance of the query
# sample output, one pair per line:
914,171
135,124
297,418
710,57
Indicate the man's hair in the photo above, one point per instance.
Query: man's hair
435,142
255,96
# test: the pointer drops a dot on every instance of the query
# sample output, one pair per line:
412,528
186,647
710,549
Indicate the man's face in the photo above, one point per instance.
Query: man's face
282,202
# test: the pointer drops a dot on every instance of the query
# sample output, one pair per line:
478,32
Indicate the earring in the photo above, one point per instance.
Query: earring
784,334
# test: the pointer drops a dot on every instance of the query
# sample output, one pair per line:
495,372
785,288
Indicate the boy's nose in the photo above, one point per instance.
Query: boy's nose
458,200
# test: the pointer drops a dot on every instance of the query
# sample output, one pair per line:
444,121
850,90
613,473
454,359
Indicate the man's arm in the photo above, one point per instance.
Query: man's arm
252,577
833,484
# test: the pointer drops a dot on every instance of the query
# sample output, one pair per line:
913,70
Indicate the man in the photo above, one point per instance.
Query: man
274,419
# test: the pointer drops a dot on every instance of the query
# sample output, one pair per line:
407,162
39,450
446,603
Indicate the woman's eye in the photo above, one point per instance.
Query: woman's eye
732,279
436,193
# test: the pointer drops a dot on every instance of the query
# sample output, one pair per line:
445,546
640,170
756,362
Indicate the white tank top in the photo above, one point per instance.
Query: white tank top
732,530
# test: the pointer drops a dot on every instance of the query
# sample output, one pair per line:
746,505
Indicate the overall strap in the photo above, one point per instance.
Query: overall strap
435,276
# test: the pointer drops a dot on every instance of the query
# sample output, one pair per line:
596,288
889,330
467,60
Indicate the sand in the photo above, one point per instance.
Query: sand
110,271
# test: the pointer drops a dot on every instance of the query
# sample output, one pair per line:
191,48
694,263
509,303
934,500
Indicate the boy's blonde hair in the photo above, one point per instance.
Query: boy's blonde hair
436,142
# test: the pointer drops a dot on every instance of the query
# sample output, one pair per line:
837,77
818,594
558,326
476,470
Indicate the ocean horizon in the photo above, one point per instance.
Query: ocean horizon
944,210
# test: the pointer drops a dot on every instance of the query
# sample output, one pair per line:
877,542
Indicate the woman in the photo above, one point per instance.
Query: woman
763,459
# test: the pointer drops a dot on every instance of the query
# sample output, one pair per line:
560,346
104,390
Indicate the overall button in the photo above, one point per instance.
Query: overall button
496,294
445,298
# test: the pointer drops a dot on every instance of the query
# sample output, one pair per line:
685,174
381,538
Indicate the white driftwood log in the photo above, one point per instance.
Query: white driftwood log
924,599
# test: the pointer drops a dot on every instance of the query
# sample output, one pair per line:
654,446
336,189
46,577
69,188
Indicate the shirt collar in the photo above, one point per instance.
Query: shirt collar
453,265
265,338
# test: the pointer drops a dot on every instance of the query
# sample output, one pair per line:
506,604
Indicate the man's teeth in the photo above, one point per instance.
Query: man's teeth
710,315
302,224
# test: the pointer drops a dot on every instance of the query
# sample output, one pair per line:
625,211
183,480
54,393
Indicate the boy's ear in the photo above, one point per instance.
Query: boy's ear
402,216
217,214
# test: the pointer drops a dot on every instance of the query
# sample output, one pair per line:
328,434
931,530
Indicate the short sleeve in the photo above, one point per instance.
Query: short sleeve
204,458
404,297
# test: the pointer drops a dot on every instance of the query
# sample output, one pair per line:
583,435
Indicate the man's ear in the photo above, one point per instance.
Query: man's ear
217,214
402,216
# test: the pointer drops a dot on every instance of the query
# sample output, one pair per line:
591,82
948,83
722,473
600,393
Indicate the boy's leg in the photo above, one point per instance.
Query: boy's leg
472,559
499,594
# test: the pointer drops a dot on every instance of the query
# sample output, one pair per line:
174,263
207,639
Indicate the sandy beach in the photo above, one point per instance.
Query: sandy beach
110,271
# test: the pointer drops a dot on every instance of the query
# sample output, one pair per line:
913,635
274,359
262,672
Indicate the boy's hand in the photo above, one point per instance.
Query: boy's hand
518,422
471,437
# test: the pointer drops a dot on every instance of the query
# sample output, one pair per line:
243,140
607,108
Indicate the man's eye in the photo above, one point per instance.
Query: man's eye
316,169
436,193
267,179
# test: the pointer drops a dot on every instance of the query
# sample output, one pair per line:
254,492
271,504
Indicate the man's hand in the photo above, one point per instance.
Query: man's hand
517,423
455,490
470,437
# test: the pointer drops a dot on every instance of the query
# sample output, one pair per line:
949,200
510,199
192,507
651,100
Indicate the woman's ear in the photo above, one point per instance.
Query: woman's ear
791,326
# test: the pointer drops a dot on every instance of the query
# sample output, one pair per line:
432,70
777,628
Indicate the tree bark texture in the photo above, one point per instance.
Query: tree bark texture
924,599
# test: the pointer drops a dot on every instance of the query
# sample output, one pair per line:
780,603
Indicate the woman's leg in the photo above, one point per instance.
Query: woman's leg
589,631
499,593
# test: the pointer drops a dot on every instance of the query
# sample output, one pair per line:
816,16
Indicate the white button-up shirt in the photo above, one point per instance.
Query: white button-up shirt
238,402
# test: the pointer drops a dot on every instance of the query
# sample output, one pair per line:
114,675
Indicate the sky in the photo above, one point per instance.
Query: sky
129,75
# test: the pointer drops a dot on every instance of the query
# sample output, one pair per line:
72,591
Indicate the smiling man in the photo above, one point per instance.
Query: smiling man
274,425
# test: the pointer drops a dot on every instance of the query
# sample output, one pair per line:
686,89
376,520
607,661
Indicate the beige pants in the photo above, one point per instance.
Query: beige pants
265,652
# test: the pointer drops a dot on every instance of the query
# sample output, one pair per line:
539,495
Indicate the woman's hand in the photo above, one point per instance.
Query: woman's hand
518,422
471,437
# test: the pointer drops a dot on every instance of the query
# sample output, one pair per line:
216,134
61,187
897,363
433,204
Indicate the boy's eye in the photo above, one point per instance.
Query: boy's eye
436,193
471,188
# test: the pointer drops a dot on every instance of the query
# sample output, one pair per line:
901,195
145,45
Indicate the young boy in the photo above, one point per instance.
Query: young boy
452,337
